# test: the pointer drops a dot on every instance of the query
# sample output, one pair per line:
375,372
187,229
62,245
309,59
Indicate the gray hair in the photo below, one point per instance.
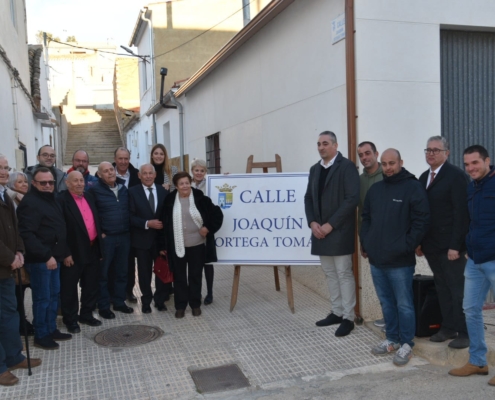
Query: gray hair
13,176
444,141
3,157
146,165
332,135
197,162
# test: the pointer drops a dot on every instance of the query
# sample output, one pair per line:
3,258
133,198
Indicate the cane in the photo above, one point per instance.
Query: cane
23,313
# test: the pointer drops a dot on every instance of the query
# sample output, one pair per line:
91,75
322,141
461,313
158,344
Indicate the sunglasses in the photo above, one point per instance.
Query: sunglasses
45,183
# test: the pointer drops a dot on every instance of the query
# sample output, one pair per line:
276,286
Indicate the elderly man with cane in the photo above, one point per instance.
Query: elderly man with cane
11,259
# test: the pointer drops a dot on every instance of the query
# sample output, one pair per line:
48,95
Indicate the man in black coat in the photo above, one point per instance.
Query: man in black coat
444,244
145,206
42,228
395,219
83,241
330,204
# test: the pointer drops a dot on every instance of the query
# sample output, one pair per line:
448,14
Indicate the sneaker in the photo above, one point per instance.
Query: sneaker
385,347
384,329
403,355
379,322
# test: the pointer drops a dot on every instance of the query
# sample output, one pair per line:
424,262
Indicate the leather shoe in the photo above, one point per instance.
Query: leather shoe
91,321
459,343
8,379
468,370
124,308
331,319
179,314
131,298
61,337
491,382
196,312
46,343
345,328
161,307
73,327
35,362
107,314
208,300
146,309
442,336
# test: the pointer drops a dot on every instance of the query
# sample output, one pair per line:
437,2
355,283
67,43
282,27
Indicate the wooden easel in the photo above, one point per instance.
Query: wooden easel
277,164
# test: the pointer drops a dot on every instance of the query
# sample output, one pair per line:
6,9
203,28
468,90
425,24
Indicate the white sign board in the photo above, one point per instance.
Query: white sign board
338,29
264,220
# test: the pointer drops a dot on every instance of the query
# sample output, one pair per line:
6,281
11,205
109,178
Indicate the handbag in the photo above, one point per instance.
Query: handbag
162,269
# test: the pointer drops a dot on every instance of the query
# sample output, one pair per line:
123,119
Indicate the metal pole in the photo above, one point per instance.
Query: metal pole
23,313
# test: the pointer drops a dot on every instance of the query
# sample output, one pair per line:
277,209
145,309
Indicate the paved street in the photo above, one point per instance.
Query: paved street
283,355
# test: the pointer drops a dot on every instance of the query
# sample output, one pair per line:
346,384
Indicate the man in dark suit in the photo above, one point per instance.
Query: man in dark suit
444,245
83,234
330,203
145,206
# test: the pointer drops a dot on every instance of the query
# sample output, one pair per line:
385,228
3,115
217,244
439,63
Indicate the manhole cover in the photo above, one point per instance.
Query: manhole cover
128,335
217,379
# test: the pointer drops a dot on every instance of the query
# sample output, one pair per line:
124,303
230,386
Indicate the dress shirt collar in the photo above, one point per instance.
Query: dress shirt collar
330,163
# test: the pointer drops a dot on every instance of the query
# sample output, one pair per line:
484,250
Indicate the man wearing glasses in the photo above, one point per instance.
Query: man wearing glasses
444,245
42,228
47,158
80,163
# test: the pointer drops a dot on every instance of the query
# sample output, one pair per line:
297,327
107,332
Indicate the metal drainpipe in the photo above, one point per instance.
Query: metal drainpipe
152,64
350,61
179,106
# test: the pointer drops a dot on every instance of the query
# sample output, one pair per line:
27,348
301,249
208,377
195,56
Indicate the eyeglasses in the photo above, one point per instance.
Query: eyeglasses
45,183
6,169
46,155
433,151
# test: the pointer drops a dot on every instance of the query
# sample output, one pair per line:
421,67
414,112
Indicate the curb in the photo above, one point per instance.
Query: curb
438,353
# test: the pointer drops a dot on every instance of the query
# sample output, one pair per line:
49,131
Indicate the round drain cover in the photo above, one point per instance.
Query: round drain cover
128,335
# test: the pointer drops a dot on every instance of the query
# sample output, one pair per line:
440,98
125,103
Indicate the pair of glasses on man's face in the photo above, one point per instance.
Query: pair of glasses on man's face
45,183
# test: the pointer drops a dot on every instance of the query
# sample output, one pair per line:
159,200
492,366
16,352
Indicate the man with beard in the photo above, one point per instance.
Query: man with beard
80,162
47,158
396,216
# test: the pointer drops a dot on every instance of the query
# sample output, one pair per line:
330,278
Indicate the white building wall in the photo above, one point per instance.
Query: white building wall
275,94
398,68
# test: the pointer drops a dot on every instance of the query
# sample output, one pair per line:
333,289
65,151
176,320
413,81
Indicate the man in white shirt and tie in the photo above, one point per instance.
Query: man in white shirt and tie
145,206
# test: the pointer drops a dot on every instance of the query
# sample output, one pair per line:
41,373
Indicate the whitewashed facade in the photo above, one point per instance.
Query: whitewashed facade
24,127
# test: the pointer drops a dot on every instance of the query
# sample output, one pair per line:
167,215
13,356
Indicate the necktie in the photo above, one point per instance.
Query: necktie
431,179
151,199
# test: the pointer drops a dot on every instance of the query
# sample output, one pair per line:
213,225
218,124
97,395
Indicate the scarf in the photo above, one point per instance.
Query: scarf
177,223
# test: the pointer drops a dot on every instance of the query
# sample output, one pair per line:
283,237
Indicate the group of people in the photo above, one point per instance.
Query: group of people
75,229
443,216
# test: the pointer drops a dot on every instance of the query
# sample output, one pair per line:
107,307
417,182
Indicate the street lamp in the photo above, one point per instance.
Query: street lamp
127,49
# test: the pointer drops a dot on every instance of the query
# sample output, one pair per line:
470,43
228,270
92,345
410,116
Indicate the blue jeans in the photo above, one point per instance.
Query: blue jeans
10,340
116,251
394,287
479,278
45,287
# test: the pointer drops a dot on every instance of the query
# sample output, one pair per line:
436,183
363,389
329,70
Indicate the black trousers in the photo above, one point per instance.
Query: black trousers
87,275
188,275
145,260
449,282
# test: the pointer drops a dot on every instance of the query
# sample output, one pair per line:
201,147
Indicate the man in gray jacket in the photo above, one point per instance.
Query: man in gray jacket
330,203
